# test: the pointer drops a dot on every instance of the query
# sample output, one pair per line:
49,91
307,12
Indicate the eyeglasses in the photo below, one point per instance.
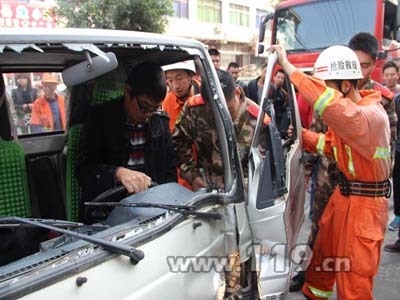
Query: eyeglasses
145,107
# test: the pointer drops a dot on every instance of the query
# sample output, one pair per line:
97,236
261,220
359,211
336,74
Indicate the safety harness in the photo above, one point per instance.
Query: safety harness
362,188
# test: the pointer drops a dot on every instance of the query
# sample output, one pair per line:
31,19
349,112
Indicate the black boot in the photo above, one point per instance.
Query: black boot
297,282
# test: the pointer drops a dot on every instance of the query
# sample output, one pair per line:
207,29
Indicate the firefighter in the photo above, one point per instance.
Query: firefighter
366,47
352,226
181,85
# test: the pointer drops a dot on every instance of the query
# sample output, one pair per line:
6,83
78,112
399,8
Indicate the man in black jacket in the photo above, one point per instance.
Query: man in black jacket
128,141
23,97
256,85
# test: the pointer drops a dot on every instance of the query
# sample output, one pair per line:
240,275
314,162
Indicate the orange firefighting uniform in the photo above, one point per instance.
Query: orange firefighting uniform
351,229
173,106
42,116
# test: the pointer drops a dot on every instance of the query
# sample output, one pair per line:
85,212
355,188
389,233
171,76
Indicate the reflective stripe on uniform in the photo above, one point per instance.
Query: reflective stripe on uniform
350,165
335,152
383,153
321,144
320,293
323,101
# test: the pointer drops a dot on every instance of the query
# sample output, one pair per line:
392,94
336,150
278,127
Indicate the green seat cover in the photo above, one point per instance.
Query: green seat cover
105,90
14,191
73,188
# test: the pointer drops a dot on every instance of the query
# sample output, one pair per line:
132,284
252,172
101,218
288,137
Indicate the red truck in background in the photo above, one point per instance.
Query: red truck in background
306,27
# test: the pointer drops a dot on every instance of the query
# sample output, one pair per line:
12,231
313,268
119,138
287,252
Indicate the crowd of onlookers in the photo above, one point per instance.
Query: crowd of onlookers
37,109
254,88
391,81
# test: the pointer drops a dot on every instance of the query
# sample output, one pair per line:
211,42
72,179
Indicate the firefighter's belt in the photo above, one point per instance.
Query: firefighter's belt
362,188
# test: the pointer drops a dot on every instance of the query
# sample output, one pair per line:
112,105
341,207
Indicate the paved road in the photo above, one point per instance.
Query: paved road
387,283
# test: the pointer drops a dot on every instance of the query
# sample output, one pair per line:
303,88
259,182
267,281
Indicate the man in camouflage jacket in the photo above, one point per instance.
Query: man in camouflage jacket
196,126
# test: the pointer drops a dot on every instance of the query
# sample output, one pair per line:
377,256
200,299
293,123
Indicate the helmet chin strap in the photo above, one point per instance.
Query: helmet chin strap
343,92
183,99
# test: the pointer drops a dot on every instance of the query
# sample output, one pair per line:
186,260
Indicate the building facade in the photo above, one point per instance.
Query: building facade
25,13
231,26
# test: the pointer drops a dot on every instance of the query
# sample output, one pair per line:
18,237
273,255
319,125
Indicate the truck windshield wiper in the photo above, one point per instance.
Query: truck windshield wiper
11,222
134,254
186,210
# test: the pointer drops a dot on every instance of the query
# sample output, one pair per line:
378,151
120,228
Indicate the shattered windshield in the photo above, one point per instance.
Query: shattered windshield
320,24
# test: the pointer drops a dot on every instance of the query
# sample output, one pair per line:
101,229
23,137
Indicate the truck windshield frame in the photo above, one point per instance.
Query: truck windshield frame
329,22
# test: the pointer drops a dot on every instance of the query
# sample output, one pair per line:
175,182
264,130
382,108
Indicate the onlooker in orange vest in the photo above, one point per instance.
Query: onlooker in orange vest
48,112
182,85
352,227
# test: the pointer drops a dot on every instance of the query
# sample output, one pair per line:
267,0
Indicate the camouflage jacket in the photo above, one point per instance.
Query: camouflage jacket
195,126
245,124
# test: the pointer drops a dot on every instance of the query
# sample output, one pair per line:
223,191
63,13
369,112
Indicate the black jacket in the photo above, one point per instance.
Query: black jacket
244,87
21,97
105,146
253,89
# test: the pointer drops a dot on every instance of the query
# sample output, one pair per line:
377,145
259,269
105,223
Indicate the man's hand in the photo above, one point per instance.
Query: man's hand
133,181
198,183
283,61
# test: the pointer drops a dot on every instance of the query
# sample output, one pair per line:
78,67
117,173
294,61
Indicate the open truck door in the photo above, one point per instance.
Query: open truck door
276,195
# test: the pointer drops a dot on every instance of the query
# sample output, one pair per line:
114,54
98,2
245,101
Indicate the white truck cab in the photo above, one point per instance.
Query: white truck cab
174,243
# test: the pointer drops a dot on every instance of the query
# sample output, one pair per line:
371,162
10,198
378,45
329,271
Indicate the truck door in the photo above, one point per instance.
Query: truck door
275,203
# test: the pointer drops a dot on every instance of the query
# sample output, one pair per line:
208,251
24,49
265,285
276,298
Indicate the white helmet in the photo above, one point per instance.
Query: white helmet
182,65
337,63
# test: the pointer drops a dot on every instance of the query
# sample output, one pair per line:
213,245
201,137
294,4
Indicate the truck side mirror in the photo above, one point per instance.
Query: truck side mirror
260,49
263,25
261,33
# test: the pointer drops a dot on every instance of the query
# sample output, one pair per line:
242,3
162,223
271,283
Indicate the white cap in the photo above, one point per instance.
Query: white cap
183,65
337,63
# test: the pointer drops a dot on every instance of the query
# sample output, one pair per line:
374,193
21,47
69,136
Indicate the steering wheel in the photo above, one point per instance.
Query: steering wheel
116,193
97,214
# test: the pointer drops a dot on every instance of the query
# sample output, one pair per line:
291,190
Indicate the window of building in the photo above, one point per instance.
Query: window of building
259,14
239,15
181,9
209,11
